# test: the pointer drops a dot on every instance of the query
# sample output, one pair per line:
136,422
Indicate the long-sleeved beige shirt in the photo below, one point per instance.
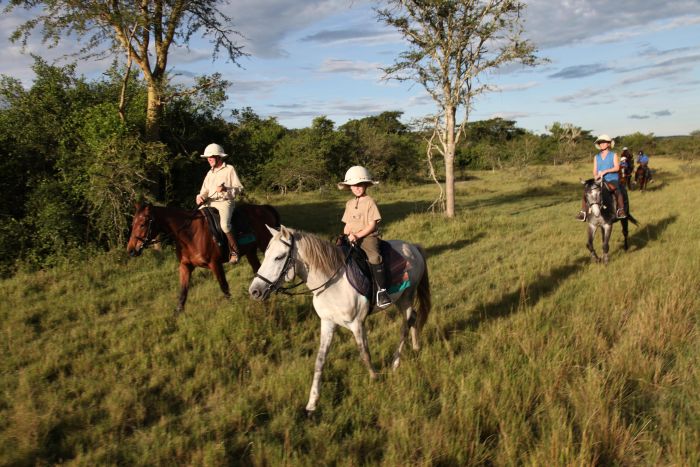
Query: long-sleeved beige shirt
225,174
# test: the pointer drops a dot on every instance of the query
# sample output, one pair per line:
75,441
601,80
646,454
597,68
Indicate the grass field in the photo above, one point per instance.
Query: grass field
532,355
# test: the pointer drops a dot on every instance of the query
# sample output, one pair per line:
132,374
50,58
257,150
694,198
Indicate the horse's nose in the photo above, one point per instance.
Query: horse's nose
255,293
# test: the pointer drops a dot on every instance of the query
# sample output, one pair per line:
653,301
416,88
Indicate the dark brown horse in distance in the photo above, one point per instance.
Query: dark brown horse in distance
641,177
195,245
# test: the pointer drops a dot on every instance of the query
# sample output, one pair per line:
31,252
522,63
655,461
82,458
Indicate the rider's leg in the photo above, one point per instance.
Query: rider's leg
225,211
370,245
583,213
619,198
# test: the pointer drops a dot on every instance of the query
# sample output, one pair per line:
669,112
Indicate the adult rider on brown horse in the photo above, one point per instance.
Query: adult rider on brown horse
606,165
219,191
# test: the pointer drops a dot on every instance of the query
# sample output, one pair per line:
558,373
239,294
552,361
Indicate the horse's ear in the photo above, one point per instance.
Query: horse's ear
272,230
285,232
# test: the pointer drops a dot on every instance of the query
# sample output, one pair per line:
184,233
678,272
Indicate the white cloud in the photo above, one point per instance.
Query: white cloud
268,24
557,23
516,86
358,69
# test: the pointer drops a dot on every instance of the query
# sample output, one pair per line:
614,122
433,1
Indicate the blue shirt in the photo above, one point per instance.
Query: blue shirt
605,164
643,159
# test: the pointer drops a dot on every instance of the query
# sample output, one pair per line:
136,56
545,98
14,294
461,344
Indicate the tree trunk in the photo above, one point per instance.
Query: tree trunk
450,113
153,113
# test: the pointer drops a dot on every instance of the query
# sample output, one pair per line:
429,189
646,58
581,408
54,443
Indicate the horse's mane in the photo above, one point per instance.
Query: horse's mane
318,253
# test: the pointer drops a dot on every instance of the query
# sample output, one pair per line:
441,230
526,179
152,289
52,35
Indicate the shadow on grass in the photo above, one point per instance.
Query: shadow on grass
556,194
456,245
545,285
512,302
651,232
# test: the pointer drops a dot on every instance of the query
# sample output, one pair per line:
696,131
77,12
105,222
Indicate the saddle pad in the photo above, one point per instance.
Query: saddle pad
241,228
397,272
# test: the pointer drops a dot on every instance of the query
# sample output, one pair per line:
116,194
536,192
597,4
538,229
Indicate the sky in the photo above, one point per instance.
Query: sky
614,67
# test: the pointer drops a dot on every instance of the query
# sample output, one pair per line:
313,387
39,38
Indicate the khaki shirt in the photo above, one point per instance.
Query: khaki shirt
359,212
225,174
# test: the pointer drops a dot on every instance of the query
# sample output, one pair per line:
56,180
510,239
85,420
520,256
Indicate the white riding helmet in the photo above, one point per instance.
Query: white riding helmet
356,175
604,137
214,150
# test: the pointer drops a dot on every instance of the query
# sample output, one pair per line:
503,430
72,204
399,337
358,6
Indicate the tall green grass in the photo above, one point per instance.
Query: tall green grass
532,355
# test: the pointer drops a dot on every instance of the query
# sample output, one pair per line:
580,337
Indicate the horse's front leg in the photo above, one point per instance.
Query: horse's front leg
185,274
358,330
327,330
589,244
218,270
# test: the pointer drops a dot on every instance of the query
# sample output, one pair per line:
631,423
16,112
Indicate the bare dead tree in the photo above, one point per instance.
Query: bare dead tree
451,43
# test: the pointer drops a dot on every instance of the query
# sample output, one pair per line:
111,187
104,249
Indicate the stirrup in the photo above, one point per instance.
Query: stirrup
581,216
233,258
383,299
621,214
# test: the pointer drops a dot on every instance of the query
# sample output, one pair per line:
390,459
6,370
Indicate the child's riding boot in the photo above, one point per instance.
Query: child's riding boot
383,299
233,248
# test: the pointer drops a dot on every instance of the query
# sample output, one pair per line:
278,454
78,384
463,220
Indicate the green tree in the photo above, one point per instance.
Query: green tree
451,44
252,142
383,145
142,32
570,142
638,142
308,158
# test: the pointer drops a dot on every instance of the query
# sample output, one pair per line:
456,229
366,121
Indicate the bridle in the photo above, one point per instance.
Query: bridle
598,197
276,285
149,239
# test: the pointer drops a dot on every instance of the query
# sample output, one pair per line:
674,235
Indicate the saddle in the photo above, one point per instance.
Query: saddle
359,274
609,200
239,224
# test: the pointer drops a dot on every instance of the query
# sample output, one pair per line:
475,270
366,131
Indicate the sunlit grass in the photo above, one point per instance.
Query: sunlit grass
532,355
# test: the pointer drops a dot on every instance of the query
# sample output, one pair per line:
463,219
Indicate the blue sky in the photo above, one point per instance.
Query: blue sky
614,67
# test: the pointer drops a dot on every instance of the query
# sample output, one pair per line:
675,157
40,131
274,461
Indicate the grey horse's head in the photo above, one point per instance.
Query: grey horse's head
594,195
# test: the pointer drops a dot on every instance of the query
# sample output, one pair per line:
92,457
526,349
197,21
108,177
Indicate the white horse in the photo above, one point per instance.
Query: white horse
320,265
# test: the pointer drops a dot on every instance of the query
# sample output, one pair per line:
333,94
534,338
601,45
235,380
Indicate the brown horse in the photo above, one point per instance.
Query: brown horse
194,243
641,176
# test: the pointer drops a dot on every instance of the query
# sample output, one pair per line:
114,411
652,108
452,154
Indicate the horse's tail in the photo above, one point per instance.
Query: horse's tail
424,300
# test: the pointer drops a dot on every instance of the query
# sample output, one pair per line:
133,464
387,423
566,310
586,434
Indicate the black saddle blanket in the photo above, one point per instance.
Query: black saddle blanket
359,275
240,225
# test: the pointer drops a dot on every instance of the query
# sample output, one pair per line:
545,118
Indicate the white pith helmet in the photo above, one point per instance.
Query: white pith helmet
356,175
214,150
604,137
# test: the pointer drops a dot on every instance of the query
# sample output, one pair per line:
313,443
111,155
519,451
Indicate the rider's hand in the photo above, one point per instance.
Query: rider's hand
199,200
221,188
352,238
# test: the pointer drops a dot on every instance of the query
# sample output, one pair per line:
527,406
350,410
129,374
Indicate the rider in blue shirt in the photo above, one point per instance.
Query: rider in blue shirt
643,161
606,165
